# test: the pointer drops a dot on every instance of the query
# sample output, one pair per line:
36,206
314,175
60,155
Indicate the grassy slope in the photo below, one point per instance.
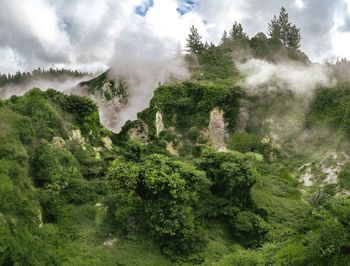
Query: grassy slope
78,236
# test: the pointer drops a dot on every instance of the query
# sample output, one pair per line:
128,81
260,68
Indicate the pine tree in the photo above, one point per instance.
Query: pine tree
285,26
294,37
237,31
224,38
275,29
194,41
281,30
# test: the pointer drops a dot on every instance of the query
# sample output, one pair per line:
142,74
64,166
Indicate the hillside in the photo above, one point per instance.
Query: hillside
246,162
71,187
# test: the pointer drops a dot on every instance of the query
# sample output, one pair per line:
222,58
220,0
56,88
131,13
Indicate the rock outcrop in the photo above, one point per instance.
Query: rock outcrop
139,131
159,123
217,129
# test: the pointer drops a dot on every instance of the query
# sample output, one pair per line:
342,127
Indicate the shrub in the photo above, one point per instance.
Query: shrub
166,194
232,175
244,142
248,228
54,167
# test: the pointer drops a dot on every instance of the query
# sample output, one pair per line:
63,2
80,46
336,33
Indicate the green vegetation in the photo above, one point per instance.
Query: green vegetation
215,62
281,30
108,88
74,193
187,105
332,106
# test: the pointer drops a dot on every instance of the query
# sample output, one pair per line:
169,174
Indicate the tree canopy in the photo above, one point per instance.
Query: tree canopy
194,41
282,30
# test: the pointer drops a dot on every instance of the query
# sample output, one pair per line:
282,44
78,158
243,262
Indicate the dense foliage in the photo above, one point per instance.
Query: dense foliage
74,193
332,106
188,104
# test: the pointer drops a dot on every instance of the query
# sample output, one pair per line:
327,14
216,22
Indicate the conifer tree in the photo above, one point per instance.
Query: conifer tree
224,38
237,31
280,29
285,26
294,37
194,41
275,29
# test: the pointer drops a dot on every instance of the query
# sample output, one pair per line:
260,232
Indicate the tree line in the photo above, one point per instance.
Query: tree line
280,30
51,73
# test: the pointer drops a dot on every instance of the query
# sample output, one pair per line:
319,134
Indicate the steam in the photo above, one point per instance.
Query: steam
298,77
279,115
62,84
144,62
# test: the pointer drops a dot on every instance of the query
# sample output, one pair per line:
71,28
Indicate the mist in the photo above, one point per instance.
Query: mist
62,84
144,62
298,77
140,59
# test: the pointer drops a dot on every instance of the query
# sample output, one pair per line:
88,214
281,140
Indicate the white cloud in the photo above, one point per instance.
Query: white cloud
300,3
83,33
298,77
9,60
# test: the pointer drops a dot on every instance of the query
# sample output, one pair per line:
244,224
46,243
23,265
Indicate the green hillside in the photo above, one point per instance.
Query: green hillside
211,173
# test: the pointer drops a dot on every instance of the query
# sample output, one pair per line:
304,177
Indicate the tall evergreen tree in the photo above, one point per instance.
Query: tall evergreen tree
280,29
285,26
194,41
225,41
275,29
237,31
224,38
294,37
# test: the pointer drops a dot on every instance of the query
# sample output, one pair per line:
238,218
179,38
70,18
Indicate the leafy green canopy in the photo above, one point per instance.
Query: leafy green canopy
332,106
188,104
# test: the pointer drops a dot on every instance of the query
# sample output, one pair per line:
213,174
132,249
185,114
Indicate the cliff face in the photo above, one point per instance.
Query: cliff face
217,129
159,123
109,94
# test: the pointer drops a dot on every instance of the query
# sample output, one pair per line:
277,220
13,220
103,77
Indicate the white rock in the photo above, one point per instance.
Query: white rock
159,123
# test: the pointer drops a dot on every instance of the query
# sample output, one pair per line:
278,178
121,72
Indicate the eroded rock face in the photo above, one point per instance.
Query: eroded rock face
107,143
159,123
171,150
58,142
111,96
325,170
139,132
78,138
217,129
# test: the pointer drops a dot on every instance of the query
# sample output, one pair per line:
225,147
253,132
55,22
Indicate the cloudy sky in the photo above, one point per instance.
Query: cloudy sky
90,34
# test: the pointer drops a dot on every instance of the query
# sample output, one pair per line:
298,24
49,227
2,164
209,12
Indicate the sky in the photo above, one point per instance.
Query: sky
86,34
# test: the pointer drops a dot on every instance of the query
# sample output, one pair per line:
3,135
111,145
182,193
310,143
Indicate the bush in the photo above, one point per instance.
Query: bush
248,228
193,134
54,167
166,194
244,142
232,175
45,119
244,258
